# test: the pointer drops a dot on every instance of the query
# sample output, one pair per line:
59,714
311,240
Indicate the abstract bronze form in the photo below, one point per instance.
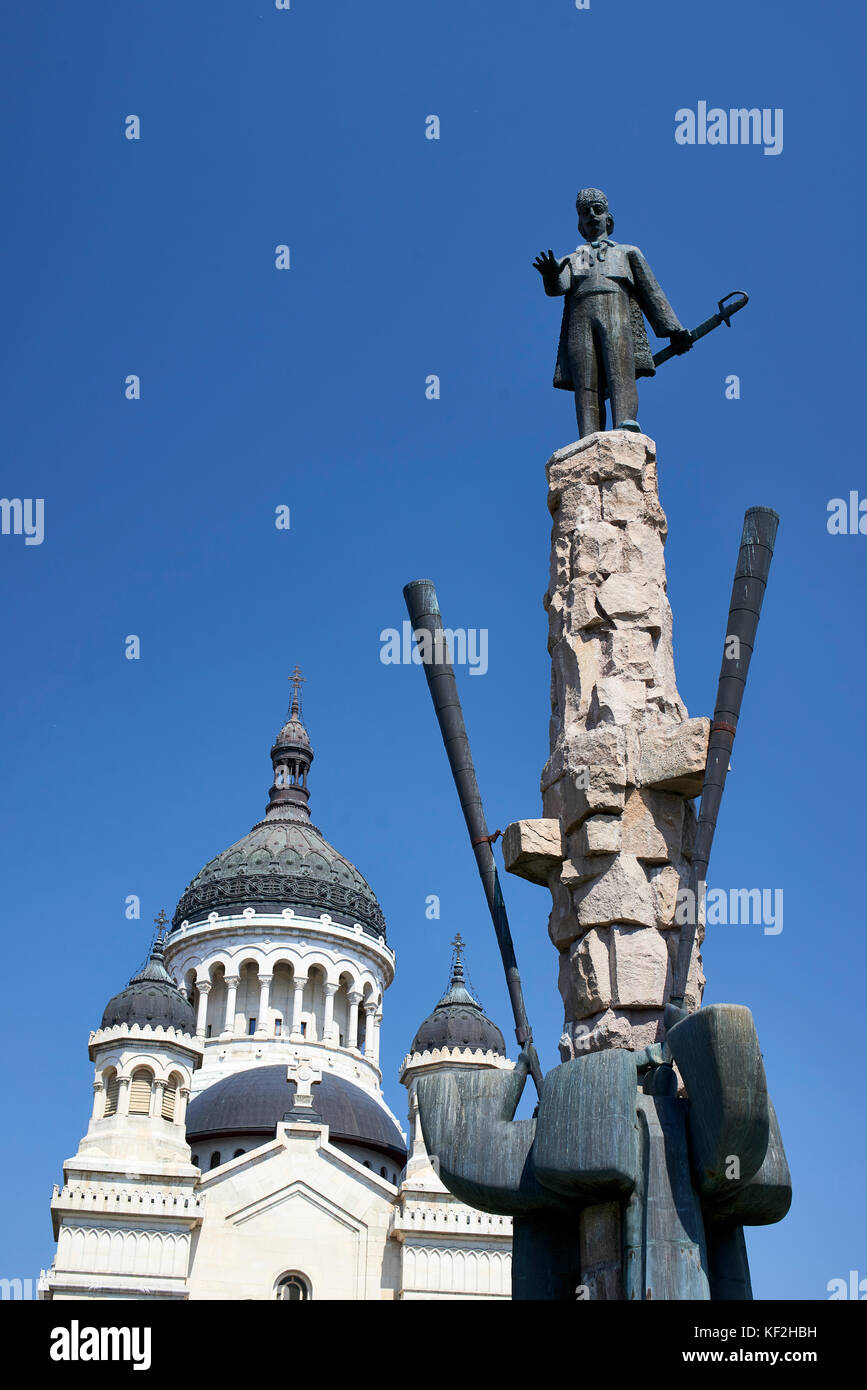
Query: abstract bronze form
609,290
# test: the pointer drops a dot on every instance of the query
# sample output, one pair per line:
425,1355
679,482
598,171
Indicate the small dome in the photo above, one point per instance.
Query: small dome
151,997
292,735
257,1099
458,1021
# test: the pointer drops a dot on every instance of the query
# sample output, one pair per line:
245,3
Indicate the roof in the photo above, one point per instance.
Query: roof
283,863
257,1099
151,997
458,1021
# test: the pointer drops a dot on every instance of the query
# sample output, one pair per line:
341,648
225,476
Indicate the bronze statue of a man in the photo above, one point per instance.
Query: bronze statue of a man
603,341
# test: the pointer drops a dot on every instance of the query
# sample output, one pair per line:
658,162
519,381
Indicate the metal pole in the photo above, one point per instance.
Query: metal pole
748,591
424,613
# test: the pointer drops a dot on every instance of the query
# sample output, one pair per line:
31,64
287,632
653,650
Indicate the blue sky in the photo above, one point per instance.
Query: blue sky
306,388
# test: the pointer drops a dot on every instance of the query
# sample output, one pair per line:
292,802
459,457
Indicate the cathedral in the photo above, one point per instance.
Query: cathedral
239,1144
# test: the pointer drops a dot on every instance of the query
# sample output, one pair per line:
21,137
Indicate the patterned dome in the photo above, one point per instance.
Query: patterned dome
153,998
283,863
458,1021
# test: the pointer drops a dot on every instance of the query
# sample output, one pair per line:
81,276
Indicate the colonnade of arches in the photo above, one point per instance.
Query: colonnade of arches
140,1091
285,1000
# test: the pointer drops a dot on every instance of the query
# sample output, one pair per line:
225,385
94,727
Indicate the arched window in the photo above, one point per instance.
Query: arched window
195,1160
140,1092
111,1081
293,1287
215,1159
382,1172
238,1153
170,1096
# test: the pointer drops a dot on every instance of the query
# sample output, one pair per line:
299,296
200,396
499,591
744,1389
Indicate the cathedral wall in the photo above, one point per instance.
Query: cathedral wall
296,1207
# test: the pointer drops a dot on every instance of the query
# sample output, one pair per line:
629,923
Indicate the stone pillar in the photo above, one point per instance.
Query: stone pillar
328,1020
181,1103
618,821
264,997
369,1012
298,999
204,988
98,1099
232,982
157,1092
377,1024
354,998
123,1095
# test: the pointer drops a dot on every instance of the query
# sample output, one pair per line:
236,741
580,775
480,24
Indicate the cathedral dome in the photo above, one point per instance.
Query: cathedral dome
284,861
151,998
255,1100
458,1020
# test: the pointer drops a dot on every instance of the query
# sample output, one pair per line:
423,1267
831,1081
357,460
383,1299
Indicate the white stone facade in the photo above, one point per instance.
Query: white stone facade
293,1214
271,1204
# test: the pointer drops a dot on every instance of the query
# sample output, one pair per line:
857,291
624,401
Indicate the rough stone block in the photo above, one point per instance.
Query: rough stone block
574,502
532,849
664,883
628,596
599,458
621,893
600,835
622,501
581,610
631,655
585,976
673,759
585,775
617,700
653,825
639,968
642,551
597,549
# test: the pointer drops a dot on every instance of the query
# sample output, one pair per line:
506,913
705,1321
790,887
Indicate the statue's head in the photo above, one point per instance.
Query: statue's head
594,219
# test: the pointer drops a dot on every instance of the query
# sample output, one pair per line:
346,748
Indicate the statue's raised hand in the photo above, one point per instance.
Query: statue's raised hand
547,264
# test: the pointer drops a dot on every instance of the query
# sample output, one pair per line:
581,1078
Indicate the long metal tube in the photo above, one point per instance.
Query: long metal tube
748,591
424,613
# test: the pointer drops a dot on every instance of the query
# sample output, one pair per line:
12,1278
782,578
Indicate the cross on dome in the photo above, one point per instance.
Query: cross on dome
296,680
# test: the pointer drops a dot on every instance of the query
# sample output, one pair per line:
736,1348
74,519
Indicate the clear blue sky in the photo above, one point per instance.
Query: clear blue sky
306,388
